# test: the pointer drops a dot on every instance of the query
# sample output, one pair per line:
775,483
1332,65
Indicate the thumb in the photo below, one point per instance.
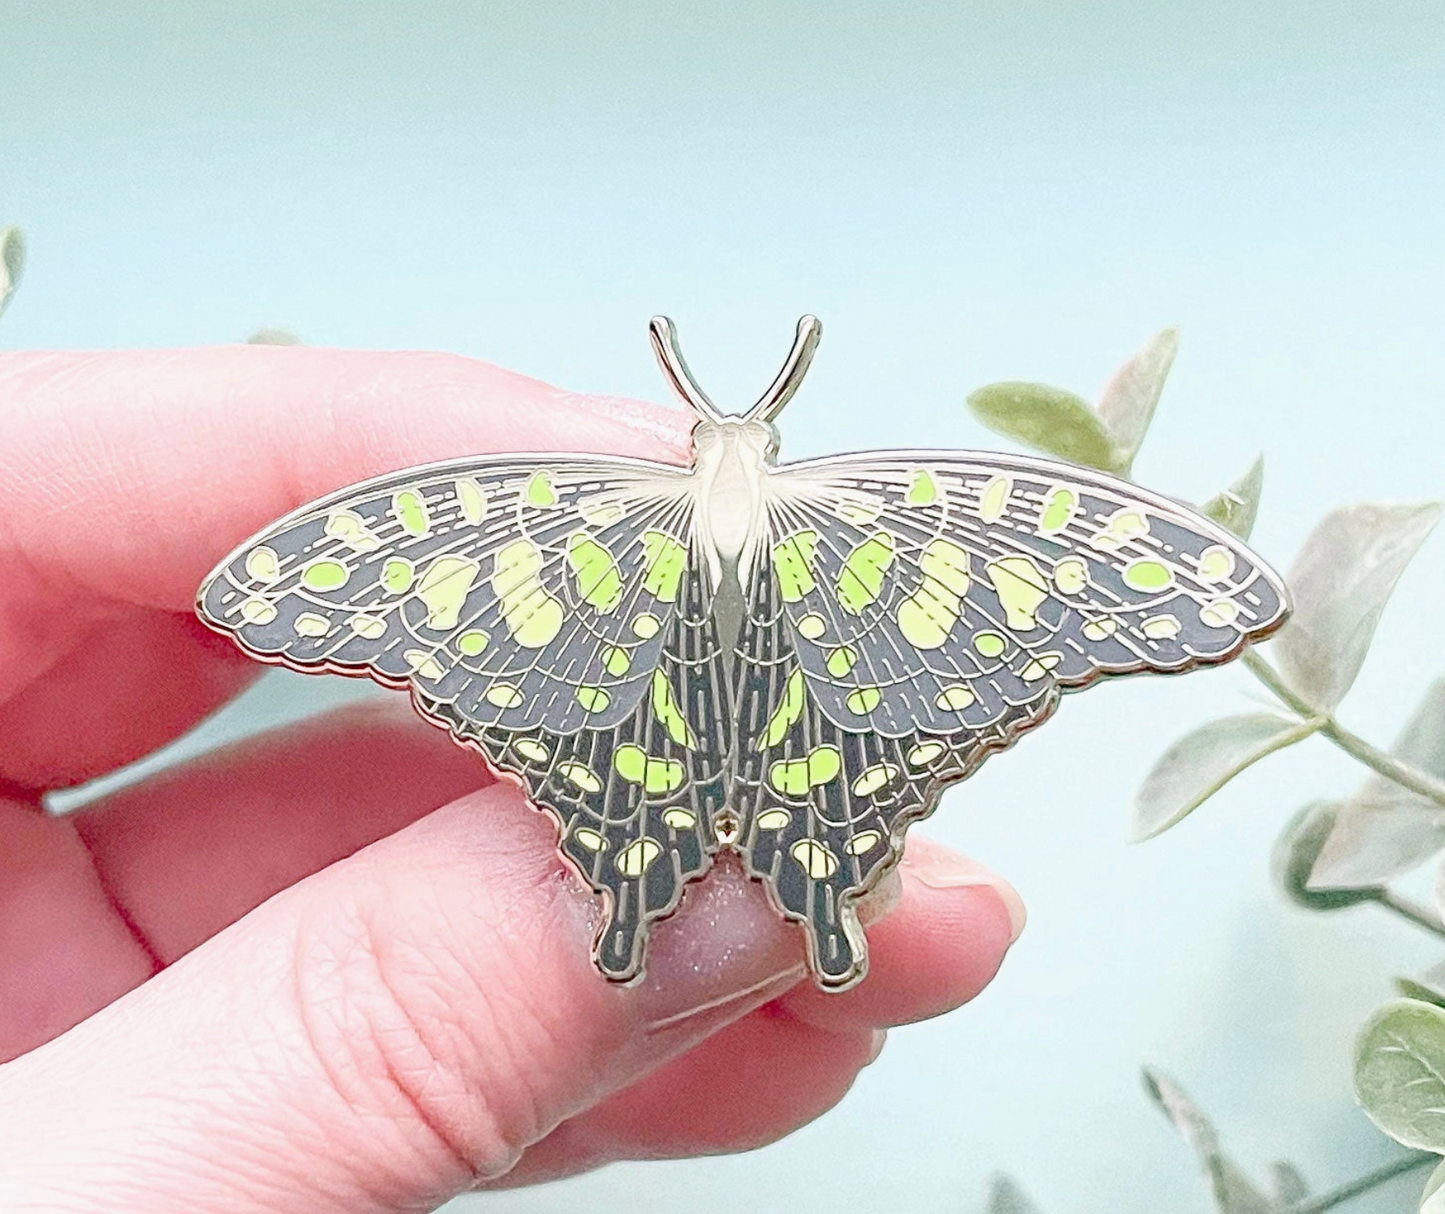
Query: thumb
383,1035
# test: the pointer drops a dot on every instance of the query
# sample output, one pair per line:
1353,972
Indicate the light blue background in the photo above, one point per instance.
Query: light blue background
964,193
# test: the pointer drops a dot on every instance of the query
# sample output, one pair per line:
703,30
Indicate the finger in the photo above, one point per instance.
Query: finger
749,1085
125,477
381,1036
963,919
191,850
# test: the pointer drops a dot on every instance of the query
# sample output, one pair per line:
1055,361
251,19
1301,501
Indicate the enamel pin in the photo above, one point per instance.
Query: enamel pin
789,661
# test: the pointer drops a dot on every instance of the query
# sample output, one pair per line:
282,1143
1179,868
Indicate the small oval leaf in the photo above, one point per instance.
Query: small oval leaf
1400,1072
12,262
1237,507
1047,419
1429,987
1432,1200
1128,401
1342,580
1005,1197
1203,761
1296,852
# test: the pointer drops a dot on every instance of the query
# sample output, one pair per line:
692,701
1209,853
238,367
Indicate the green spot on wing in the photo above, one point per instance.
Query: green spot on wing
655,775
540,491
472,643
411,512
861,579
668,714
325,574
593,699
842,660
1145,575
663,562
794,777
923,491
616,660
598,580
786,715
864,700
1057,511
793,558
397,575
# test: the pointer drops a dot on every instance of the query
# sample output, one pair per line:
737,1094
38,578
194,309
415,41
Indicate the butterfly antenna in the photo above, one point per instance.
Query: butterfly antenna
675,370
790,378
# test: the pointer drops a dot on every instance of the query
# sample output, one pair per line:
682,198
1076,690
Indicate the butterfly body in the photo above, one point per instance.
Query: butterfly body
789,661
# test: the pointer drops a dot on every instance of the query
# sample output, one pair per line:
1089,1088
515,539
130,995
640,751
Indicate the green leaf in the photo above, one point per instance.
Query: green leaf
1050,420
1238,505
1400,1072
1203,761
1232,1191
1429,987
12,262
1385,830
1432,1200
1296,852
1341,581
1289,1186
1005,1197
274,337
1127,404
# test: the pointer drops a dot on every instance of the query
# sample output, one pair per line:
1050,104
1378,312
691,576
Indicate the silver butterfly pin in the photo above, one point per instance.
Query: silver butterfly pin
790,661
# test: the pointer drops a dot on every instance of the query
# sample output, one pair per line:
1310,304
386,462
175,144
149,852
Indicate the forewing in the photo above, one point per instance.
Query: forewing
909,615
553,614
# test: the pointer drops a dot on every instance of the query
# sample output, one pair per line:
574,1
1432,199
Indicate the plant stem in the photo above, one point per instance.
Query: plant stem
1365,1183
1352,744
1412,911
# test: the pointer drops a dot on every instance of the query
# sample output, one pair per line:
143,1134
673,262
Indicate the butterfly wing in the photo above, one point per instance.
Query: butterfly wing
911,613
552,612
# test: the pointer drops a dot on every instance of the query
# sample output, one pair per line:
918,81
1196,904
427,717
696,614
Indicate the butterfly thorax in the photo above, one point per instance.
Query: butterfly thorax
731,458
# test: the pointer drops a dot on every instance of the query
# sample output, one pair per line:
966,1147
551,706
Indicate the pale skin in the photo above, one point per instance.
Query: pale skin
340,968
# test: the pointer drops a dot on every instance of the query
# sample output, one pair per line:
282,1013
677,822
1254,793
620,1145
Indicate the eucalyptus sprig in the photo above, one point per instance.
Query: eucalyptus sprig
12,263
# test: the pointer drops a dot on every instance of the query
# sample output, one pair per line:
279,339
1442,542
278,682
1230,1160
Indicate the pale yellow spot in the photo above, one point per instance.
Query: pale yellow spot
842,660
351,529
368,627
1148,576
473,500
411,512
309,624
600,511
1120,528
679,819
593,699
1161,627
774,819
668,712
263,564
655,775
928,615
879,776
786,714
1219,614
1216,563
646,625
860,510
531,750
397,575
444,588
423,663
955,699
993,499
579,775
864,700
989,644
812,626
616,660
598,580
794,777
1071,575
1100,630
1038,667
864,842
533,617
588,837
258,611
793,558
664,560
473,642
860,581
923,490
1057,510
634,859
925,753
1021,588
816,860
504,695
325,574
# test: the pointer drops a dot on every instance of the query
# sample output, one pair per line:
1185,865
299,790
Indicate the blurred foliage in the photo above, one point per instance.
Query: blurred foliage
1334,853
12,263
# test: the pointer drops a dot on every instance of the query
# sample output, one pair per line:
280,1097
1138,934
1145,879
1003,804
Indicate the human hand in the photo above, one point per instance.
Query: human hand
339,967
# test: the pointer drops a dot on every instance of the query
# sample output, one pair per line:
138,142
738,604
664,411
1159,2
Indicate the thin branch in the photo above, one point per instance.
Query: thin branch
1371,1180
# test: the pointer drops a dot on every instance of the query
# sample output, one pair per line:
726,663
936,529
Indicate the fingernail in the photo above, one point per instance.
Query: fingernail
880,1039
943,870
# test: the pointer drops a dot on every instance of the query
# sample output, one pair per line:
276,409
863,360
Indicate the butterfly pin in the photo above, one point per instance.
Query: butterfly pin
791,662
